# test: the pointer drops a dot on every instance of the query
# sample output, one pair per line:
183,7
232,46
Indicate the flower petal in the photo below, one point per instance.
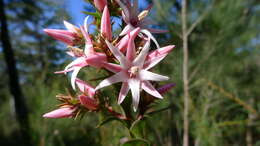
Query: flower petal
151,63
122,44
88,102
74,76
119,56
96,59
147,75
128,28
123,92
112,67
139,60
71,27
118,77
85,87
131,52
148,33
100,4
60,113
135,90
148,87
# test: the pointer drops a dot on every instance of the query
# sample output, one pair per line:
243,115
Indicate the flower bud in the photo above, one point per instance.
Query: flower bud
62,35
106,29
100,4
65,112
88,102
165,88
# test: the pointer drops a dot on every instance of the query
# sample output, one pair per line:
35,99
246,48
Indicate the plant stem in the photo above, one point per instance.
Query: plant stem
185,73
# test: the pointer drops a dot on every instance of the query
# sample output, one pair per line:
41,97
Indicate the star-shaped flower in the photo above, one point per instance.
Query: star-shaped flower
134,19
133,72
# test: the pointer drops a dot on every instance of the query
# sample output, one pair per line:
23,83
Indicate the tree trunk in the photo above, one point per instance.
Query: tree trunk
185,73
15,89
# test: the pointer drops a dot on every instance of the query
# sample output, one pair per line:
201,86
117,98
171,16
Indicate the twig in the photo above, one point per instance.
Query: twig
185,73
232,97
199,20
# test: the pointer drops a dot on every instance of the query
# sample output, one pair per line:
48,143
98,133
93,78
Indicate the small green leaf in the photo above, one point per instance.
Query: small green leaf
94,14
136,142
137,128
107,120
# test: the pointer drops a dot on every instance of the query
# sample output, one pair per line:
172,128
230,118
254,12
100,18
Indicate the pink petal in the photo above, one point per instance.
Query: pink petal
147,75
100,4
106,30
71,27
119,56
61,35
151,63
128,28
74,76
135,90
89,103
122,44
156,56
131,52
89,49
148,87
165,88
85,87
60,113
160,52
112,67
118,77
149,35
123,92
125,8
96,59
78,62
139,60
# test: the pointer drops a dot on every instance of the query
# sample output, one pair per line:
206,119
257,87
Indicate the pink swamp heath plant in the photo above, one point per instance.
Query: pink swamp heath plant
126,59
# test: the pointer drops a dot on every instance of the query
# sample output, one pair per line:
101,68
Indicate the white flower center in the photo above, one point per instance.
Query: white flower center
133,71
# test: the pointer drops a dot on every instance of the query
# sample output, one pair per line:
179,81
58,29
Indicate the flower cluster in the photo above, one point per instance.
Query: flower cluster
128,58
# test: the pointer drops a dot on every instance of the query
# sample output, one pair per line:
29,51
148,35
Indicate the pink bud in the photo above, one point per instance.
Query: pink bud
88,102
62,35
100,4
85,88
106,29
165,88
60,113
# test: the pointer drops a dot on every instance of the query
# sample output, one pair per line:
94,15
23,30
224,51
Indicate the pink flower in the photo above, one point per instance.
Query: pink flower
134,19
67,36
85,88
133,74
100,4
89,57
87,99
64,112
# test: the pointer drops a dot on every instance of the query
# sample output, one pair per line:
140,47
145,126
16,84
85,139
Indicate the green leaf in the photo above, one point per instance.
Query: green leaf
136,142
137,128
107,120
110,119
94,14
